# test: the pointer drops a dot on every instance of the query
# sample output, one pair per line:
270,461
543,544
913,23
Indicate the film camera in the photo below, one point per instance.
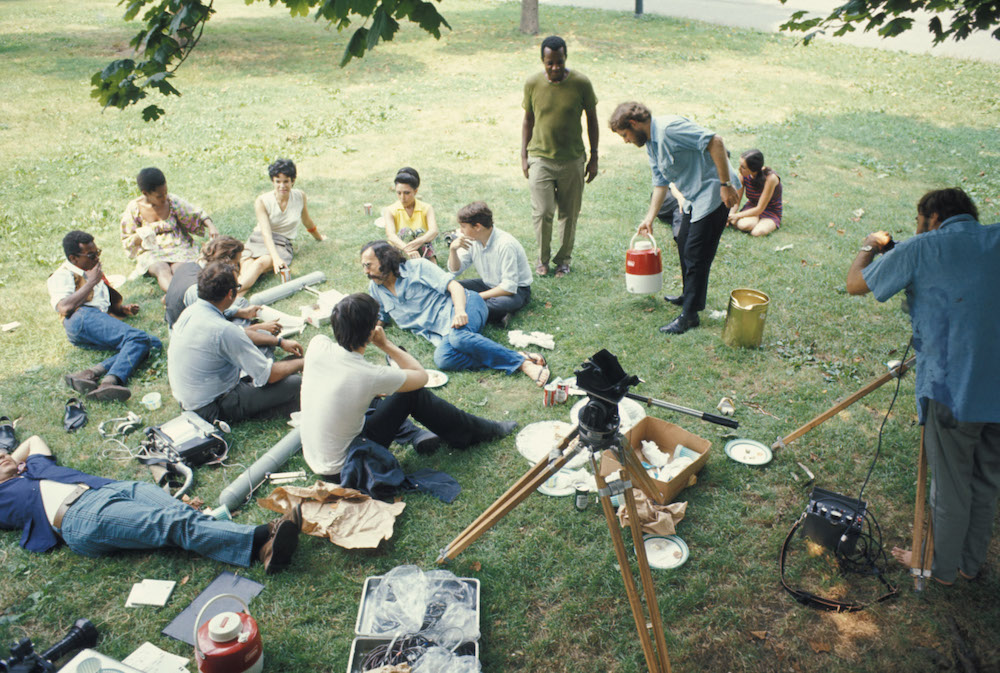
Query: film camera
605,383
24,659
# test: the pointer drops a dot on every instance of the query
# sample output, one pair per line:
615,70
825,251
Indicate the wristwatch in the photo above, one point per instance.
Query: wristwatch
866,248
727,183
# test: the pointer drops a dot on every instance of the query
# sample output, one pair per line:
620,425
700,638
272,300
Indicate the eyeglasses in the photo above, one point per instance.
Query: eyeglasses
93,256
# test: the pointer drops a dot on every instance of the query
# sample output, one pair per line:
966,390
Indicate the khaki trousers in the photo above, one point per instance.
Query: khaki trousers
555,185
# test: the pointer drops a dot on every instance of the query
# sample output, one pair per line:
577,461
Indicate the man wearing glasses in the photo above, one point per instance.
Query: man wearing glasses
91,311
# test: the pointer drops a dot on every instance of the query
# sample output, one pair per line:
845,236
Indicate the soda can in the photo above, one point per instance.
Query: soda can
368,209
549,395
286,274
582,498
562,392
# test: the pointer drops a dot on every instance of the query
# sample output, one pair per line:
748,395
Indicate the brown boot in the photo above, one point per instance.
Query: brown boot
108,392
85,381
294,515
277,552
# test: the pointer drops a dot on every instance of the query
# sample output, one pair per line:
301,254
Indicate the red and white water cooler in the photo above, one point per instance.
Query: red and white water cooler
643,267
229,642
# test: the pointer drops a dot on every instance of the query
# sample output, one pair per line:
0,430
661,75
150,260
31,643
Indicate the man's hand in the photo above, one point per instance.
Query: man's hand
646,229
379,339
524,164
461,319
412,246
879,240
277,265
591,170
271,327
248,312
461,242
729,195
94,275
290,346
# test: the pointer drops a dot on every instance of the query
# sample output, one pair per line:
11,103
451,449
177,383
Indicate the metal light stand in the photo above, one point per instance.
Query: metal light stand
633,476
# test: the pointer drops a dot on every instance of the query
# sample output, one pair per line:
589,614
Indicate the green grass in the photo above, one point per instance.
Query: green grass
846,129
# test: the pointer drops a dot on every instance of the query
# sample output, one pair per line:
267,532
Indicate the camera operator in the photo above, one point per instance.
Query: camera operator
950,272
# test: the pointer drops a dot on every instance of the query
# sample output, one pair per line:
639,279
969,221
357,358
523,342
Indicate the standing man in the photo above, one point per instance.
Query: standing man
216,371
339,386
695,160
552,151
950,272
423,298
92,313
504,280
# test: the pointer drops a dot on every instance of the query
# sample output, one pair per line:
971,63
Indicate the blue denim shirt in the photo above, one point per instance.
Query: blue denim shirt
422,303
21,500
951,277
678,153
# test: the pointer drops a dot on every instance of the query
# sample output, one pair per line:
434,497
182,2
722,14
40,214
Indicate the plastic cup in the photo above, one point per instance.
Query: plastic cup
152,401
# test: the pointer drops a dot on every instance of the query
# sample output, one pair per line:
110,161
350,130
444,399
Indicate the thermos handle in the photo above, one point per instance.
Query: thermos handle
197,620
649,236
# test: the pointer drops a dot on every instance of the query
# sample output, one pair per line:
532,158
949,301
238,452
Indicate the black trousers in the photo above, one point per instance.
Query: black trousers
454,426
697,243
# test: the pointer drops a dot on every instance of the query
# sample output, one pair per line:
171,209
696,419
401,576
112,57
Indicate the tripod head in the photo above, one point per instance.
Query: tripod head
605,383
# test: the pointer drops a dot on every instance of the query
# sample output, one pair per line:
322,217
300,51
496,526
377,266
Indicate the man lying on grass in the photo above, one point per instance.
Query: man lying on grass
95,516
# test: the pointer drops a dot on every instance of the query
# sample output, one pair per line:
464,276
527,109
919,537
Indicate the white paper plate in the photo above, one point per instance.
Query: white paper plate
116,280
630,412
665,551
435,379
748,452
535,442
563,483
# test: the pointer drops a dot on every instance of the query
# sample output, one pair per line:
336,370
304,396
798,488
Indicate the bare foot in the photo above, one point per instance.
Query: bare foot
537,373
966,577
904,556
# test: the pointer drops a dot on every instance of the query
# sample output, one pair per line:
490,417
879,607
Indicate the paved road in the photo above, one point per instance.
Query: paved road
767,15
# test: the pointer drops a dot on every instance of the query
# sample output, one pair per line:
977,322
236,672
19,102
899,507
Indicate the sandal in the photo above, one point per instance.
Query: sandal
541,269
76,416
8,439
537,358
541,377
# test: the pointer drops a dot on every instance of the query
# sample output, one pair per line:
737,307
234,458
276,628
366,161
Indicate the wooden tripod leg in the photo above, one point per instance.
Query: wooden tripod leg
513,497
648,589
630,589
922,551
843,404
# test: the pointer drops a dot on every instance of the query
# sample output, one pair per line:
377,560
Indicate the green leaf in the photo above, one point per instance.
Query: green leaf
355,46
151,113
379,20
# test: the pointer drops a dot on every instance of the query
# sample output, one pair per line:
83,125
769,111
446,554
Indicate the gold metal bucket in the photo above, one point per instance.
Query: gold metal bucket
745,318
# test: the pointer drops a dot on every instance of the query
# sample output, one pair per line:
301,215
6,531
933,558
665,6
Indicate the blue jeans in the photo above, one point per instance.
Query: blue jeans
466,348
91,328
499,306
139,515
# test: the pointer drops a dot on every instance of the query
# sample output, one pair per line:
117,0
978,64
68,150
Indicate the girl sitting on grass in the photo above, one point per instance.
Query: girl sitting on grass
410,224
762,213
279,214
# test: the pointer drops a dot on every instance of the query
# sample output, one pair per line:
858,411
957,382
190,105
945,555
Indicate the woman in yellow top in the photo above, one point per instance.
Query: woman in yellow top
410,225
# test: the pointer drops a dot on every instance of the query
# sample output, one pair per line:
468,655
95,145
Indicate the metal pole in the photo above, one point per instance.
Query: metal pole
638,7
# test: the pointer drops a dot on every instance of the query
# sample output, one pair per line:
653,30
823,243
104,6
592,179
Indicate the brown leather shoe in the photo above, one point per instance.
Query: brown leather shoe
277,552
84,381
108,392
294,515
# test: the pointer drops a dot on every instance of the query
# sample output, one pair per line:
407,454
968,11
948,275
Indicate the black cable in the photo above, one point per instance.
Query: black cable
878,449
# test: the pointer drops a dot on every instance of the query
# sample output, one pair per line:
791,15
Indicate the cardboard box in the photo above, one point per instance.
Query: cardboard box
667,436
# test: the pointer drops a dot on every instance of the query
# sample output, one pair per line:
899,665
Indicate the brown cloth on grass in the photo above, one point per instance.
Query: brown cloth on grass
348,518
655,519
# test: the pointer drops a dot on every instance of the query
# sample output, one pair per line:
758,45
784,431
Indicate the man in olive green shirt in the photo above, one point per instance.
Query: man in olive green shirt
552,151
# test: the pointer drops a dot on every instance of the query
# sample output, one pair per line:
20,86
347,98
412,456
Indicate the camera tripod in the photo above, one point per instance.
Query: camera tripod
594,440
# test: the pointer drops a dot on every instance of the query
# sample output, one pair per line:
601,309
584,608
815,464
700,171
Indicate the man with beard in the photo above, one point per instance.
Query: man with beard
695,160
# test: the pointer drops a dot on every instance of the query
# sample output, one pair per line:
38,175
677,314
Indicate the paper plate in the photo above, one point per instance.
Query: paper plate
630,412
116,280
435,379
665,551
748,452
563,483
535,442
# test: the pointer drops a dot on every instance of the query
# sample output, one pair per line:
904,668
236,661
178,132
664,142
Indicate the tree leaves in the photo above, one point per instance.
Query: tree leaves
967,17
171,30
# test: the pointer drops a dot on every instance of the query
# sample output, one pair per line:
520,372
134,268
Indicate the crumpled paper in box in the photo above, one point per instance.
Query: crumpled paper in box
655,519
348,518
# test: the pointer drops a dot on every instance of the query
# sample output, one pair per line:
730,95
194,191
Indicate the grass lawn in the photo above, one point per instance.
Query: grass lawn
856,135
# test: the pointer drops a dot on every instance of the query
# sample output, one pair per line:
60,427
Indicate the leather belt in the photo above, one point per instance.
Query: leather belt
64,507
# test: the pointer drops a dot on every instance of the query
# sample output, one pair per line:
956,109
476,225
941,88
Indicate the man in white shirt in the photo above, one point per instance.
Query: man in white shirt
338,386
505,277
92,313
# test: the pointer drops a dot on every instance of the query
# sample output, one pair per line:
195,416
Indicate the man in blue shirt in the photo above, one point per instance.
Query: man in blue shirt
950,272
95,516
695,160
425,300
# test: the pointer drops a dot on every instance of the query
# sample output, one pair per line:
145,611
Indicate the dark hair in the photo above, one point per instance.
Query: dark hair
216,280
407,176
74,240
476,213
281,167
555,43
754,160
149,179
626,112
947,203
222,248
353,319
389,257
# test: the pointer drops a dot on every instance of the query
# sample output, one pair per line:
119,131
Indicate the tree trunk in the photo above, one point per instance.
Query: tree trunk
529,17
